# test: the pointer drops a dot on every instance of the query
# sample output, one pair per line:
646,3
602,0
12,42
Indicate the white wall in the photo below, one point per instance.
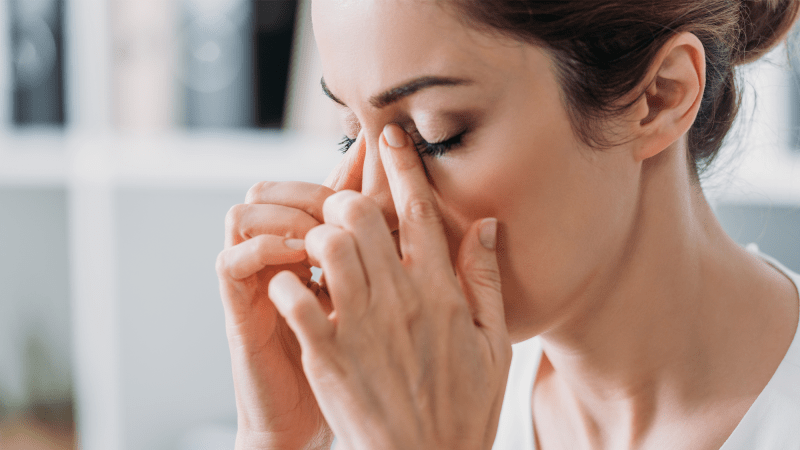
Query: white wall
774,228
174,362
35,351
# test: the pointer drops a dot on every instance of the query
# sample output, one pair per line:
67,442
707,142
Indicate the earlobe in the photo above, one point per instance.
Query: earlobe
672,99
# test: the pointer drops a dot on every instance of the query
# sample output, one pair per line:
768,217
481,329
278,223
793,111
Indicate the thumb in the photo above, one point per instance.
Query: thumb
479,274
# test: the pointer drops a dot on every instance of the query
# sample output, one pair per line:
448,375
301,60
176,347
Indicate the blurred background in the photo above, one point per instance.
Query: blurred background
127,130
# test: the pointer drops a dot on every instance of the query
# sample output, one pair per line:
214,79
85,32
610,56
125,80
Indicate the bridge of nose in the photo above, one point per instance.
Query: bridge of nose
365,174
375,185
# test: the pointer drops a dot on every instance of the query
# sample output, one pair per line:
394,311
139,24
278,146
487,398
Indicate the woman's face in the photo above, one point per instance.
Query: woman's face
565,211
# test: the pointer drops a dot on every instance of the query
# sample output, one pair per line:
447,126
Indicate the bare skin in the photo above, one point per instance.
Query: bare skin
658,330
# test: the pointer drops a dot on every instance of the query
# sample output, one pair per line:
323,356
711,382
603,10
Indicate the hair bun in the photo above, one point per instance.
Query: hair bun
763,24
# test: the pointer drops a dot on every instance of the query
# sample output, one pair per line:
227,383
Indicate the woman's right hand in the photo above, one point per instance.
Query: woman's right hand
275,405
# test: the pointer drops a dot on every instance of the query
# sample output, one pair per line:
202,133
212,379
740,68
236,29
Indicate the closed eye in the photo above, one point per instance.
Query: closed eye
435,149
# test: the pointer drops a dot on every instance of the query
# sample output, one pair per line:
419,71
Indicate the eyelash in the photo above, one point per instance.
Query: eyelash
435,149
345,144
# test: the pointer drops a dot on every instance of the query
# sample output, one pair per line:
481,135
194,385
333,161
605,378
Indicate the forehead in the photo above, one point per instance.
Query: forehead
367,46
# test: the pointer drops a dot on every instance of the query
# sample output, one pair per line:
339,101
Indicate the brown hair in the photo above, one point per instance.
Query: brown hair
602,50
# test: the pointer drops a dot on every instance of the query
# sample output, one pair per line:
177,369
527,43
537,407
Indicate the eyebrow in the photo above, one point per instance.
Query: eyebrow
397,93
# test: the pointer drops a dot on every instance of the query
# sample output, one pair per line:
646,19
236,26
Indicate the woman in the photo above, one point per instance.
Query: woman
516,172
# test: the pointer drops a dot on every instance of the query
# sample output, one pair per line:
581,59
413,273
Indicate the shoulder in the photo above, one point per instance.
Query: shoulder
773,421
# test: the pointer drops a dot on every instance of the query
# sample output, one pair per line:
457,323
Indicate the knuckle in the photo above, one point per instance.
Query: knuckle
262,245
280,276
422,210
333,202
480,274
233,219
336,244
336,200
315,234
487,279
257,191
454,308
413,311
356,208
321,193
221,265
448,306
300,309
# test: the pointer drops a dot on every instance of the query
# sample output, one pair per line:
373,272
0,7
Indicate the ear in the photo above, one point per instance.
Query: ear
676,82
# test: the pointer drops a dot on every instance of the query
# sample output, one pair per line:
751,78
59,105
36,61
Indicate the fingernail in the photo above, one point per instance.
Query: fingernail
295,244
488,233
394,135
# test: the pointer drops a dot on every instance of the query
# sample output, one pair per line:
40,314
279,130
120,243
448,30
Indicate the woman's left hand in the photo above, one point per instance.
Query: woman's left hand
415,354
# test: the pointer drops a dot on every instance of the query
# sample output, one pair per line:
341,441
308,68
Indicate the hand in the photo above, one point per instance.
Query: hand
416,355
276,407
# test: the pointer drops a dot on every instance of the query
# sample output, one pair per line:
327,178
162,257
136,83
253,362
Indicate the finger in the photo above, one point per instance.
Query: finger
334,249
421,230
303,313
246,259
248,220
300,269
348,173
300,195
479,274
362,217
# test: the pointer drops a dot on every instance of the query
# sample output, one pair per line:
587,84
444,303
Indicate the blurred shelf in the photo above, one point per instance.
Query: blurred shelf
35,157
237,159
190,159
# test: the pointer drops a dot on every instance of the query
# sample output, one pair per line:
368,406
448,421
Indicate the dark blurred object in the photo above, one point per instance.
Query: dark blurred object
217,63
273,32
48,422
37,52
237,57
28,432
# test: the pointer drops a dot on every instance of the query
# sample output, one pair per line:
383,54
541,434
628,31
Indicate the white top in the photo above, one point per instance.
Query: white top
772,422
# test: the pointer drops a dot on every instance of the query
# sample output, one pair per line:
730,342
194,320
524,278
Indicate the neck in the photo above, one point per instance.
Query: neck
651,288
656,325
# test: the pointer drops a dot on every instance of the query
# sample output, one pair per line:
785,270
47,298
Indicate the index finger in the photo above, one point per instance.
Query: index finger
348,173
307,197
421,228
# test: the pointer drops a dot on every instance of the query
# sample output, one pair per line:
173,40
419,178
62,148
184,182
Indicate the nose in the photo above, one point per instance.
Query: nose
375,184
365,173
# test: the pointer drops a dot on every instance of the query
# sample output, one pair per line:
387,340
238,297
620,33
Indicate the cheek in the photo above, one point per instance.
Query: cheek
456,220
553,201
464,193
